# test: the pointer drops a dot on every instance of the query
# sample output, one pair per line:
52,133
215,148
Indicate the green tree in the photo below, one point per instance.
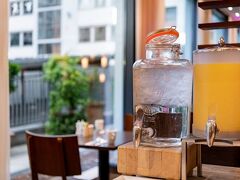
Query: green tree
13,72
69,94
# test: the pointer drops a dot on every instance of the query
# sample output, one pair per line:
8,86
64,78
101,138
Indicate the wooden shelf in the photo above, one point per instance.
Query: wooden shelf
219,4
214,45
219,25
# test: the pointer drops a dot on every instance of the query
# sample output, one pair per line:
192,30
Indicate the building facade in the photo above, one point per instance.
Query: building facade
39,28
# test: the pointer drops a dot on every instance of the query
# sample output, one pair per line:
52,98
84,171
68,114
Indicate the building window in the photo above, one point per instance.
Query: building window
27,7
49,25
15,39
100,3
84,34
217,16
47,3
170,16
100,33
15,8
53,48
27,38
85,4
113,33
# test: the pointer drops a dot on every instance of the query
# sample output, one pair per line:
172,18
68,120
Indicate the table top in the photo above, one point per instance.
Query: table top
99,140
210,172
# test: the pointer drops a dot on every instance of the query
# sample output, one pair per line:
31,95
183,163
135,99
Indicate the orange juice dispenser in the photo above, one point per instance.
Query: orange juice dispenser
216,97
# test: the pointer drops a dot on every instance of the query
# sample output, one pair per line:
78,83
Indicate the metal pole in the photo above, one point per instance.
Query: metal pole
4,93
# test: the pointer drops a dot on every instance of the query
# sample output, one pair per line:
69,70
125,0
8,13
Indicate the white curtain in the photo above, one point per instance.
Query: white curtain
4,93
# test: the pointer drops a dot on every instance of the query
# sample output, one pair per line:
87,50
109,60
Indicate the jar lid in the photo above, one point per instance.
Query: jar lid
163,36
218,48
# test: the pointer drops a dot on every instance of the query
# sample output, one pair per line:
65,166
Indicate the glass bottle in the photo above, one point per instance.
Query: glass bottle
162,92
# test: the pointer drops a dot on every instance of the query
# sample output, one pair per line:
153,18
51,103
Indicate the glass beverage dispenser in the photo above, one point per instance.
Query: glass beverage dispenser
217,93
162,91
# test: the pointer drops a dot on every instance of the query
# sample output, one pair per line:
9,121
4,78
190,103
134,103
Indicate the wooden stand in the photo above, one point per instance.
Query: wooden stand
155,162
198,142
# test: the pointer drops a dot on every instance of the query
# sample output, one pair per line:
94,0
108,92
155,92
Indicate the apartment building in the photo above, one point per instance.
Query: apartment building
39,28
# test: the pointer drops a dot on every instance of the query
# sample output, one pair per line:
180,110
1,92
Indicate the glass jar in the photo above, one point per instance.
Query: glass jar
162,91
217,92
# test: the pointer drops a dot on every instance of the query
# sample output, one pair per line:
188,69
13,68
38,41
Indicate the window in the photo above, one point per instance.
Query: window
216,34
100,34
53,48
100,3
15,39
85,4
113,33
49,24
47,3
170,16
27,38
27,7
84,34
15,8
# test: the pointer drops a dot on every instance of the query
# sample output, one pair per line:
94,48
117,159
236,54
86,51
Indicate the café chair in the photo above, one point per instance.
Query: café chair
128,122
53,155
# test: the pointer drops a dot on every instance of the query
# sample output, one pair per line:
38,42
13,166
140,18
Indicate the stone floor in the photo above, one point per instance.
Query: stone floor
19,164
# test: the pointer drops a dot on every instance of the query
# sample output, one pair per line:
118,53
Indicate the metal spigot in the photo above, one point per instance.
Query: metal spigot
137,136
137,127
221,42
211,131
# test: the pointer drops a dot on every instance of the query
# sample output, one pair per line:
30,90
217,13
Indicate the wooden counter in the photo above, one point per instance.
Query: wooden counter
210,172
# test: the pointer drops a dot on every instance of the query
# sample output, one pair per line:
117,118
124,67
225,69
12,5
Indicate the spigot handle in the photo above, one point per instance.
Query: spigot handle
137,131
211,131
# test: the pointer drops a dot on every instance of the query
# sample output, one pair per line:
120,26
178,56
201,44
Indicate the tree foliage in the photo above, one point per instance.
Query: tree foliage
69,94
13,72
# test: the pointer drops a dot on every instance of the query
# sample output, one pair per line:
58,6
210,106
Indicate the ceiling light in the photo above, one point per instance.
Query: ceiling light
84,62
104,61
102,77
230,8
237,14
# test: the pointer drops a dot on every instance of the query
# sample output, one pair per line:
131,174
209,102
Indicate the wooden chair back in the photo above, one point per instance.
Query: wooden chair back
128,122
53,155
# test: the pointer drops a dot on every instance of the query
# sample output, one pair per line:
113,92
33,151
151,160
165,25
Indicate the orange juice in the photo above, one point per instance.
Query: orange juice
217,93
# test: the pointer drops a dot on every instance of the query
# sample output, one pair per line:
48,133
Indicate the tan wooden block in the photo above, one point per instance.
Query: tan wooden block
154,162
143,161
155,165
171,161
127,162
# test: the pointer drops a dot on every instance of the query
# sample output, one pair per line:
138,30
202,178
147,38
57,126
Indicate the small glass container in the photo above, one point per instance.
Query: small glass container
162,92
